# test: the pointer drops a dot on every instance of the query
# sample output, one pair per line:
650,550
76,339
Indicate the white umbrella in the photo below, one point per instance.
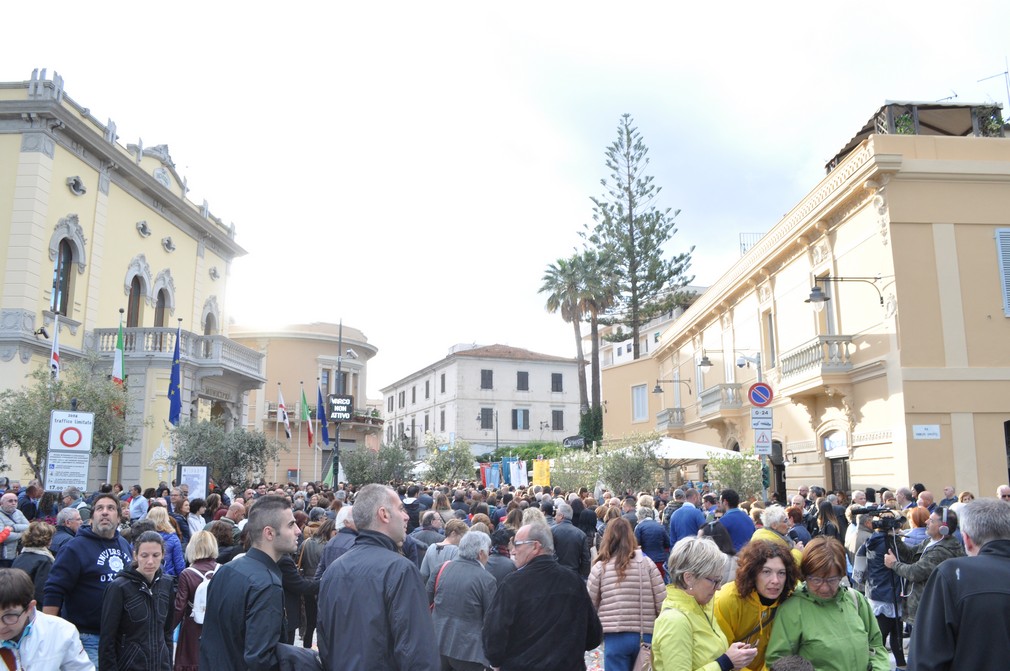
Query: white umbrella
677,452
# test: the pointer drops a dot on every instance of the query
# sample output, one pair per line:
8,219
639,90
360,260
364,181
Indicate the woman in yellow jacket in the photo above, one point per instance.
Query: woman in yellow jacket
745,609
686,636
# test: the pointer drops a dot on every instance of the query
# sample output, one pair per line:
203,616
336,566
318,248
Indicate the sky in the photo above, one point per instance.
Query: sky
413,168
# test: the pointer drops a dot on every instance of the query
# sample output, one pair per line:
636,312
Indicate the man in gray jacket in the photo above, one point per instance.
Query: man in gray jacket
11,517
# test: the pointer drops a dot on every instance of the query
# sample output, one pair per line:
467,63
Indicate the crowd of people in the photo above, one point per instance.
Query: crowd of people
468,578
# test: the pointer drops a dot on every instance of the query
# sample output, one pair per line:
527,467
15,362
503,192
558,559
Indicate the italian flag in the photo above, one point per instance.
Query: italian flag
306,417
117,357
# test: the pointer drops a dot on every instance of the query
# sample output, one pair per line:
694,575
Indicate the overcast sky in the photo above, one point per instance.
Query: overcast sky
413,167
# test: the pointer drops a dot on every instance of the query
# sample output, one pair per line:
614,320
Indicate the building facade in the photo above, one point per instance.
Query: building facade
903,374
486,395
329,357
95,232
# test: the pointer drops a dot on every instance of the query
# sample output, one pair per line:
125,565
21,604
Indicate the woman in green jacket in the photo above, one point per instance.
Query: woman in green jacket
826,622
686,636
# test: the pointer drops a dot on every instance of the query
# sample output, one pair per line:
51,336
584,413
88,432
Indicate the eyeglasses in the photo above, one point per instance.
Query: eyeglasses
12,618
715,581
831,582
518,543
1002,496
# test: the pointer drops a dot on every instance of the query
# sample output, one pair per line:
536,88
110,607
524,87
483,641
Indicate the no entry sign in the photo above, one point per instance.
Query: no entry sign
760,394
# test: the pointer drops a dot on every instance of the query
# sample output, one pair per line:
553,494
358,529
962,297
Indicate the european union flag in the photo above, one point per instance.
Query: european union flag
324,420
175,384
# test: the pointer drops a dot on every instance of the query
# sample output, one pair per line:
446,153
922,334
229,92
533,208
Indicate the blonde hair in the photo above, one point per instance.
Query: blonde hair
202,545
533,516
159,517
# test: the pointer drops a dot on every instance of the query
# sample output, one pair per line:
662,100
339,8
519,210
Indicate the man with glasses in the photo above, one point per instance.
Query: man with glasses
512,639
373,608
964,614
84,568
916,565
1003,492
30,639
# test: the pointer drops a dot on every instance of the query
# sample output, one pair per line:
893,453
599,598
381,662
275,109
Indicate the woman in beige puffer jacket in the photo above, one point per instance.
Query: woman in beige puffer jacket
627,592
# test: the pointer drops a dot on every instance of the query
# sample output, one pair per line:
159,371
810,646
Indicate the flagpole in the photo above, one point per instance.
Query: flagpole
298,460
315,452
277,417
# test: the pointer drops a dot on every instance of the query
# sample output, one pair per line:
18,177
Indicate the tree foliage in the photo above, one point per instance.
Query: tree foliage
390,463
630,234
236,457
629,465
576,468
741,474
25,412
564,283
453,463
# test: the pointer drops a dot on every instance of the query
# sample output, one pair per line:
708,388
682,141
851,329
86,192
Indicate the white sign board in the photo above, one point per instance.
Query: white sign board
69,449
763,441
760,418
926,431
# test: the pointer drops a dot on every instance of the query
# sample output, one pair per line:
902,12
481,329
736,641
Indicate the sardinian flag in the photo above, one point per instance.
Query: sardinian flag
282,413
54,356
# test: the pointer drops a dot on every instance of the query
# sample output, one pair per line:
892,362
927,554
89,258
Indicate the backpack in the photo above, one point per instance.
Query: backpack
199,604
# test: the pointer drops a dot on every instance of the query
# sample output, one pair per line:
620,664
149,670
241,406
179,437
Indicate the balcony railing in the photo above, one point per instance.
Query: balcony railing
670,418
824,355
720,397
159,342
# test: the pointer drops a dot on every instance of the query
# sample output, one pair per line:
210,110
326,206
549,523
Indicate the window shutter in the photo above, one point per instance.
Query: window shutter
1003,253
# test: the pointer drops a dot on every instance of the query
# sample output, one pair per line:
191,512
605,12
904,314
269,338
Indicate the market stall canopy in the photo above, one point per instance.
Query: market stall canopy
683,452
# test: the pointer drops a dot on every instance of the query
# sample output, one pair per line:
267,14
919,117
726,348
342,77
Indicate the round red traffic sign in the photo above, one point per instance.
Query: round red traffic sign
71,436
760,394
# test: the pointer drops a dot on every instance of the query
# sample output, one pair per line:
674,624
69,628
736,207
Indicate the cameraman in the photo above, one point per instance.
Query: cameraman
916,565
882,587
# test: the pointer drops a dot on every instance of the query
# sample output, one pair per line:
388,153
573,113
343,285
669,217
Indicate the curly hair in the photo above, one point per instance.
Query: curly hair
38,535
753,557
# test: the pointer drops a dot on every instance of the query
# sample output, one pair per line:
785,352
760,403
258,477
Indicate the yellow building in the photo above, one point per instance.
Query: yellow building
92,227
333,358
903,375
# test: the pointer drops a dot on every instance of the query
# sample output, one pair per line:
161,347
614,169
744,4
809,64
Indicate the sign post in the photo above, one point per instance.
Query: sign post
69,454
760,395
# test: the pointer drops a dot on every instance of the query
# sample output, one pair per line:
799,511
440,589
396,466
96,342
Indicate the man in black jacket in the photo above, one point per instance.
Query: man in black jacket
373,609
513,641
571,546
963,621
245,600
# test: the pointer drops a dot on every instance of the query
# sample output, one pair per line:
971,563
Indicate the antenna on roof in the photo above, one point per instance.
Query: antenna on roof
950,97
1006,79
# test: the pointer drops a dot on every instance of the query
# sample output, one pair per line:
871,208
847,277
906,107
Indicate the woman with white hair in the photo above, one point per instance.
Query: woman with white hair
775,528
461,592
686,635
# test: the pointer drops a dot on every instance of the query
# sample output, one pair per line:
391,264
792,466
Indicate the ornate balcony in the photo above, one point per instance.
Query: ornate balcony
212,355
670,419
825,360
720,398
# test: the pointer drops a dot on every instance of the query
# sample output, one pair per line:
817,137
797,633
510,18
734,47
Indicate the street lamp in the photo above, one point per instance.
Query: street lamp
741,361
818,298
494,415
659,390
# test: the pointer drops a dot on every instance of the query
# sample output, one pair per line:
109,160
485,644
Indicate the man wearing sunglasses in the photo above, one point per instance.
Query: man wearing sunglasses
30,639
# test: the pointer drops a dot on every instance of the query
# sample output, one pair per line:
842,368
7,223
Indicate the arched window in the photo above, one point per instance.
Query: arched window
159,309
210,325
134,303
61,278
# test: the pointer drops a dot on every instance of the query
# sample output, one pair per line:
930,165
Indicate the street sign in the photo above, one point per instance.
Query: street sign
574,441
341,408
760,394
69,454
763,441
761,418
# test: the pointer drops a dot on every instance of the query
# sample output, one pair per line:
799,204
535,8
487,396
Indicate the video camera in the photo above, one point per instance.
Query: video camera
884,519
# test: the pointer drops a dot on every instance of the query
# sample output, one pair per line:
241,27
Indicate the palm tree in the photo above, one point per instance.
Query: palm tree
562,282
596,297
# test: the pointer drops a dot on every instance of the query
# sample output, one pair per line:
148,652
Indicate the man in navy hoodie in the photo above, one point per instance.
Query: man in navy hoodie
85,566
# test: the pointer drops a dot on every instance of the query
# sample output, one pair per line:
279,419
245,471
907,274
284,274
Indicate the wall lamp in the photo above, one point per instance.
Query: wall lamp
41,331
659,389
818,298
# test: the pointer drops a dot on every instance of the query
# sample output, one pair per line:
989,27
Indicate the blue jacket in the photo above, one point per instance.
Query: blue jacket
83,569
685,522
739,525
654,540
881,582
174,563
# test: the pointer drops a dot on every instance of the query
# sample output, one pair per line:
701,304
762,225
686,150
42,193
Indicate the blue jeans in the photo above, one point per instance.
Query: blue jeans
90,643
621,649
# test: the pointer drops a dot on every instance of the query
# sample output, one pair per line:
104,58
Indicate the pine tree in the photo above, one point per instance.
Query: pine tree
630,232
